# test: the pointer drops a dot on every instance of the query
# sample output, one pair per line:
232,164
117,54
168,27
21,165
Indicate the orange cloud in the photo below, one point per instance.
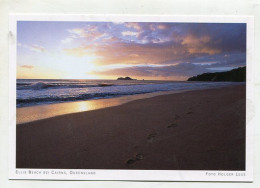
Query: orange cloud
199,45
27,66
137,53
37,48
194,41
121,52
34,47
134,25
162,26
130,53
205,50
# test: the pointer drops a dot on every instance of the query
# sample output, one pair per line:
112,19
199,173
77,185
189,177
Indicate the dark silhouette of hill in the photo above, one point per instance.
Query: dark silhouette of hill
125,78
235,75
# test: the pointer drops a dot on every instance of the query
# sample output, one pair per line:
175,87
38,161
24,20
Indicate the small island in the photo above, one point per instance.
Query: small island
235,75
125,78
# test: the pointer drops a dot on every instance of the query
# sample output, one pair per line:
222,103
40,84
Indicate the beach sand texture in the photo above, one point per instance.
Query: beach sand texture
195,130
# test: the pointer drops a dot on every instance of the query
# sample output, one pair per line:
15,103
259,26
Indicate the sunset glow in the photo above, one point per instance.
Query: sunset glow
107,50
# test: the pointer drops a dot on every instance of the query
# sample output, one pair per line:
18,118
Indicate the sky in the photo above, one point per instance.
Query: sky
141,50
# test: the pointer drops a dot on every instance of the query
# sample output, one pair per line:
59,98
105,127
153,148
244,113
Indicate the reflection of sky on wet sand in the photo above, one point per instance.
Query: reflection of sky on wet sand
28,114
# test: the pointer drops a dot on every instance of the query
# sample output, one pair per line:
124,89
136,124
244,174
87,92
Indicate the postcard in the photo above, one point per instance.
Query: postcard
120,97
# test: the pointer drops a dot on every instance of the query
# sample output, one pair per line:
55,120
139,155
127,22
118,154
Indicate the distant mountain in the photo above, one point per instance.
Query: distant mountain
235,75
125,78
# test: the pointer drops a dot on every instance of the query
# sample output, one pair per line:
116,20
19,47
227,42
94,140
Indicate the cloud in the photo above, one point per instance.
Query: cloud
67,40
27,66
121,51
37,48
199,45
204,63
118,23
195,47
220,69
227,37
90,33
34,47
134,25
129,33
162,26
77,32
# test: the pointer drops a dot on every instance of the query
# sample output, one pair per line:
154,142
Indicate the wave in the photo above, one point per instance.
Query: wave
49,100
39,85
42,85
38,93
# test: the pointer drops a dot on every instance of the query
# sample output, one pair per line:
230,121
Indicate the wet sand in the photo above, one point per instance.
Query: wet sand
195,130
34,113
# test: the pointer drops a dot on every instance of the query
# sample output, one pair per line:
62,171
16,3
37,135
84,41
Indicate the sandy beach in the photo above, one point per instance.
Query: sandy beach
195,130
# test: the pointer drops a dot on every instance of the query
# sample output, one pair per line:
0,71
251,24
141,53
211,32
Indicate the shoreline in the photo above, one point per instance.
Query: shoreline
194,130
34,113
45,111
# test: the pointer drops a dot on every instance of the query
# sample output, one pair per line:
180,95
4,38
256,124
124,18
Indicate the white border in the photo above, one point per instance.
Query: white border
138,175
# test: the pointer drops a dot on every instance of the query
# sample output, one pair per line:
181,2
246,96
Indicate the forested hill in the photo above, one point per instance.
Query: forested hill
235,75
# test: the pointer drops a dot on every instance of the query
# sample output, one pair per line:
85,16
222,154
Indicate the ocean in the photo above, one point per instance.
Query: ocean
31,92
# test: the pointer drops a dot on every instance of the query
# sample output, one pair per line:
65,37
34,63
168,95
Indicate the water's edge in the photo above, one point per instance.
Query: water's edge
39,112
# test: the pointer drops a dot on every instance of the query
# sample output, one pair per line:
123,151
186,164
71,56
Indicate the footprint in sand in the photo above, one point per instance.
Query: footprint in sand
172,125
138,157
151,137
130,161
